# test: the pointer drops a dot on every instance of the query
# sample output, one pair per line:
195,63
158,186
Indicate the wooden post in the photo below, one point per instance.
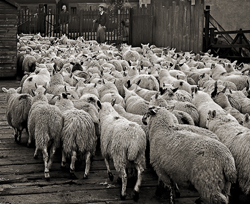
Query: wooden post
130,26
207,14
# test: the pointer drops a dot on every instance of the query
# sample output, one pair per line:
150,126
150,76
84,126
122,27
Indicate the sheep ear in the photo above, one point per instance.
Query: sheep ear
156,95
174,90
246,117
4,89
99,104
138,82
213,113
64,95
91,99
128,84
162,91
194,89
202,75
18,90
113,101
224,90
152,111
33,93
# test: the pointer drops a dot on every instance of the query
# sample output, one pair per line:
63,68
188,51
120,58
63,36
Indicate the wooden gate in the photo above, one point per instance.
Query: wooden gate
222,44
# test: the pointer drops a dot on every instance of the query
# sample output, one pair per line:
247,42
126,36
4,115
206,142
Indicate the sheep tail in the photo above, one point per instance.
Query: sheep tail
230,173
132,151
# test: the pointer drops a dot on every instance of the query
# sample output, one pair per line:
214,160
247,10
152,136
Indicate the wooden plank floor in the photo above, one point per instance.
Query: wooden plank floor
22,179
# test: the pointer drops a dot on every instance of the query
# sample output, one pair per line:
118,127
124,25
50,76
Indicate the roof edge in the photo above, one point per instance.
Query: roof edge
13,3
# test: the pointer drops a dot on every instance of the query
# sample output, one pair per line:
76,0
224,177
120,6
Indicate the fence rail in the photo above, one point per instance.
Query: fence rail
80,24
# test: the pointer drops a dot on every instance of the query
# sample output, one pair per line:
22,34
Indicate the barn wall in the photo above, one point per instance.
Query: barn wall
8,39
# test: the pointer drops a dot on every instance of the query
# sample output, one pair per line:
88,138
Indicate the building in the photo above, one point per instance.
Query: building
8,38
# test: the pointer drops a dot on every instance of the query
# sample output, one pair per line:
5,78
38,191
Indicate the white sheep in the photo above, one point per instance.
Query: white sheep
181,116
221,99
45,123
124,142
170,96
181,155
236,138
204,103
78,134
142,92
17,111
134,103
42,77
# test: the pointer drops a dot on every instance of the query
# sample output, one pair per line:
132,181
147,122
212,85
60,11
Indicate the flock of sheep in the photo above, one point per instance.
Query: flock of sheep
192,109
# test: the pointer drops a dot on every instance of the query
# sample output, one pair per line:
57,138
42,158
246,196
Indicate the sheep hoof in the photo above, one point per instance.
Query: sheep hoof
135,195
85,176
63,165
198,201
28,144
35,157
177,194
123,197
16,136
119,180
47,176
111,177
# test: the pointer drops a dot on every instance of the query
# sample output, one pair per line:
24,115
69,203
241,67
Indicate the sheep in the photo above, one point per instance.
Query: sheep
29,63
134,103
204,103
45,123
188,107
221,99
181,156
169,92
181,116
124,142
131,117
108,91
237,140
239,101
219,72
146,81
183,85
17,111
41,78
78,134
144,93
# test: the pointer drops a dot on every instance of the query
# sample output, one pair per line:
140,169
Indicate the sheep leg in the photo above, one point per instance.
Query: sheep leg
15,134
124,184
111,177
139,169
51,157
73,160
45,159
35,154
19,134
87,168
177,191
63,163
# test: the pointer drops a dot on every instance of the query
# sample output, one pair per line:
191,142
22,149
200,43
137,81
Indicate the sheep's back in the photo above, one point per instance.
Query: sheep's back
78,133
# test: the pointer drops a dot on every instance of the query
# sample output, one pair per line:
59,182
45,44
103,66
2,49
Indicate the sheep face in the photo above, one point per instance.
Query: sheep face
146,117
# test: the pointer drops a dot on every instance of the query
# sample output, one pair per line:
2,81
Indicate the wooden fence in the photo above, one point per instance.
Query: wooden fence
80,24
166,23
